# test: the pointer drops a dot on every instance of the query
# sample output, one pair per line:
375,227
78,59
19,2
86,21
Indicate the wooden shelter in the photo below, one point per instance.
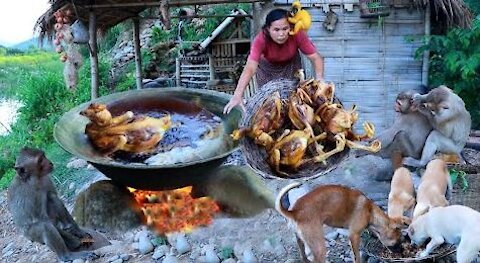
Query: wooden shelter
103,14
222,59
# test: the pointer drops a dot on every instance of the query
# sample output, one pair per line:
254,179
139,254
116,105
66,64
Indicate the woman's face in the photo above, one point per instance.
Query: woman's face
279,30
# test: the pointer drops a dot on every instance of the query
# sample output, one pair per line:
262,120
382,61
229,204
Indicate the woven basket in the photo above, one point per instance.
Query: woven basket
256,155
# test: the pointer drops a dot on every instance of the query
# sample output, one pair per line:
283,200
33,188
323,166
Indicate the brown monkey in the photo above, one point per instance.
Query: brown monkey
408,133
38,211
450,120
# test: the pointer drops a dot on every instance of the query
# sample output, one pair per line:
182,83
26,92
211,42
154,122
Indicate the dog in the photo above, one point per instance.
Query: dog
335,206
401,197
434,186
455,224
125,132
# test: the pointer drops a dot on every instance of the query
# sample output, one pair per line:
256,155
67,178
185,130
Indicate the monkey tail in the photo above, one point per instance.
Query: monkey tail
282,202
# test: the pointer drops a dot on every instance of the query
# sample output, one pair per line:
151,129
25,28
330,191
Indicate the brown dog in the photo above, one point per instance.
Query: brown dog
435,184
401,197
335,206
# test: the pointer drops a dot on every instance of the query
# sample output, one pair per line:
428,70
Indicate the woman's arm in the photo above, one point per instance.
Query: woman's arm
247,74
318,65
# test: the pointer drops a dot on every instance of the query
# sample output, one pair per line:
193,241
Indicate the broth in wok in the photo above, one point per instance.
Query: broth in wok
192,137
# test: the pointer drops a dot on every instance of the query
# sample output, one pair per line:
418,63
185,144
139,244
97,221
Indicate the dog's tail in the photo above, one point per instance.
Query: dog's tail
283,203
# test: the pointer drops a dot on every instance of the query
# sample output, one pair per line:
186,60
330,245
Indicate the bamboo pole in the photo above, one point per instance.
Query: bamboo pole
92,43
138,55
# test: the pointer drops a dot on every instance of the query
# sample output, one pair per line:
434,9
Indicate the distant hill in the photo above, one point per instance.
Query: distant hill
33,42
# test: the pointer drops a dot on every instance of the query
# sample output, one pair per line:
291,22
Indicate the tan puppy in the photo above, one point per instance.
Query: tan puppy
455,224
435,184
401,197
335,206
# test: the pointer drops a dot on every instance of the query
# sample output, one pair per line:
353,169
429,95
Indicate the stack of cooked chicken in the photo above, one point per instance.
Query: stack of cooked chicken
296,130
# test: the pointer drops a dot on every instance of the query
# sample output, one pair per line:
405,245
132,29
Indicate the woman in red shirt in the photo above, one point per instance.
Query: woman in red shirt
275,54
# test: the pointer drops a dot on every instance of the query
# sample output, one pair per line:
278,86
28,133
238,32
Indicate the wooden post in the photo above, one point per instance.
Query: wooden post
426,53
138,55
92,43
177,71
211,68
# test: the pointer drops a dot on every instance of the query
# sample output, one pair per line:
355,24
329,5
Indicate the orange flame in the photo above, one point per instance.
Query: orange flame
175,210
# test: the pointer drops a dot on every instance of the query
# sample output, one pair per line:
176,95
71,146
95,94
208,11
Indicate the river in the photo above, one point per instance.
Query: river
8,114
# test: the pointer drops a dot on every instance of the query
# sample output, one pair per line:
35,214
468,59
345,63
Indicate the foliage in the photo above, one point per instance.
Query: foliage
38,84
226,253
474,5
459,176
455,62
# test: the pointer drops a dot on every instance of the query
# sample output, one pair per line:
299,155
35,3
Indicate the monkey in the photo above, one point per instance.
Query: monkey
37,210
407,135
299,18
450,120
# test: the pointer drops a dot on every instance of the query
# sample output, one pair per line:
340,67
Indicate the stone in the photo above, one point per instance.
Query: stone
211,256
118,261
248,256
113,258
144,245
181,245
96,205
170,259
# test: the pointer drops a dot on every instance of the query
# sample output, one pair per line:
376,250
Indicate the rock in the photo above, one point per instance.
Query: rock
181,244
229,260
170,259
160,251
118,261
248,256
77,164
144,245
113,258
211,256
332,235
7,248
95,207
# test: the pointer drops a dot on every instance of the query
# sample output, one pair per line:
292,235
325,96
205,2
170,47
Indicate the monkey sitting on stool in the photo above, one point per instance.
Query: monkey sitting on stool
39,213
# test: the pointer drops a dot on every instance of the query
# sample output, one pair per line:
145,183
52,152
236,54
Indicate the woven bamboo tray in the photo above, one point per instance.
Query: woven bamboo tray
256,155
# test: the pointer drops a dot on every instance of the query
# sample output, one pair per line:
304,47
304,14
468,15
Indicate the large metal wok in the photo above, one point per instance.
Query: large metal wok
69,132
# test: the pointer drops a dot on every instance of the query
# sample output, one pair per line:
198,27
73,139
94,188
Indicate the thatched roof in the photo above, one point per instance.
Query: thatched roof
455,11
110,12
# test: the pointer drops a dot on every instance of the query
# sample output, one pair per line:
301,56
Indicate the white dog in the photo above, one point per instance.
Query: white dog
456,224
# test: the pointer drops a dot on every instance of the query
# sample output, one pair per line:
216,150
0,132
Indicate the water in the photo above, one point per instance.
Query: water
8,114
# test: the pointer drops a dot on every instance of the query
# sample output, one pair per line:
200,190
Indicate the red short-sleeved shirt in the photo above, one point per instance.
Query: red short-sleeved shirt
275,53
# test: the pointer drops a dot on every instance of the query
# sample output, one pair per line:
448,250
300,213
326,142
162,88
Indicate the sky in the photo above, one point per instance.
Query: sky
17,19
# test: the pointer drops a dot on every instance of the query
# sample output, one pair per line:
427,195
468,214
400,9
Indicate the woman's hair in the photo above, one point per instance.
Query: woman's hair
272,16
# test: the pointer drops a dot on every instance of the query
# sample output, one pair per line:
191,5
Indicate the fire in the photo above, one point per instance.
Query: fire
175,210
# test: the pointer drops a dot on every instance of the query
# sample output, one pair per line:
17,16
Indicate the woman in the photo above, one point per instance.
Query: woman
275,54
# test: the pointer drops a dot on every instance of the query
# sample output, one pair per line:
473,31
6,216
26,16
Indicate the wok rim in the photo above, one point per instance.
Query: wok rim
111,98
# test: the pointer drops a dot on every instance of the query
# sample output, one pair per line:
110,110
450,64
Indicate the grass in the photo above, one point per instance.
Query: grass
36,80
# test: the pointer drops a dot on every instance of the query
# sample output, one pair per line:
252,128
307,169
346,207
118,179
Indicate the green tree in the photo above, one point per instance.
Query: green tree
455,62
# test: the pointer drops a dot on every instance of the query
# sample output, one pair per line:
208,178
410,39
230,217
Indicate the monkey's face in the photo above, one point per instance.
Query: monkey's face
436,109
32,162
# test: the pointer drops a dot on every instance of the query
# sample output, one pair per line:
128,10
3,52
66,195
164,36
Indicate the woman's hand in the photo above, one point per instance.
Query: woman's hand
234,101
